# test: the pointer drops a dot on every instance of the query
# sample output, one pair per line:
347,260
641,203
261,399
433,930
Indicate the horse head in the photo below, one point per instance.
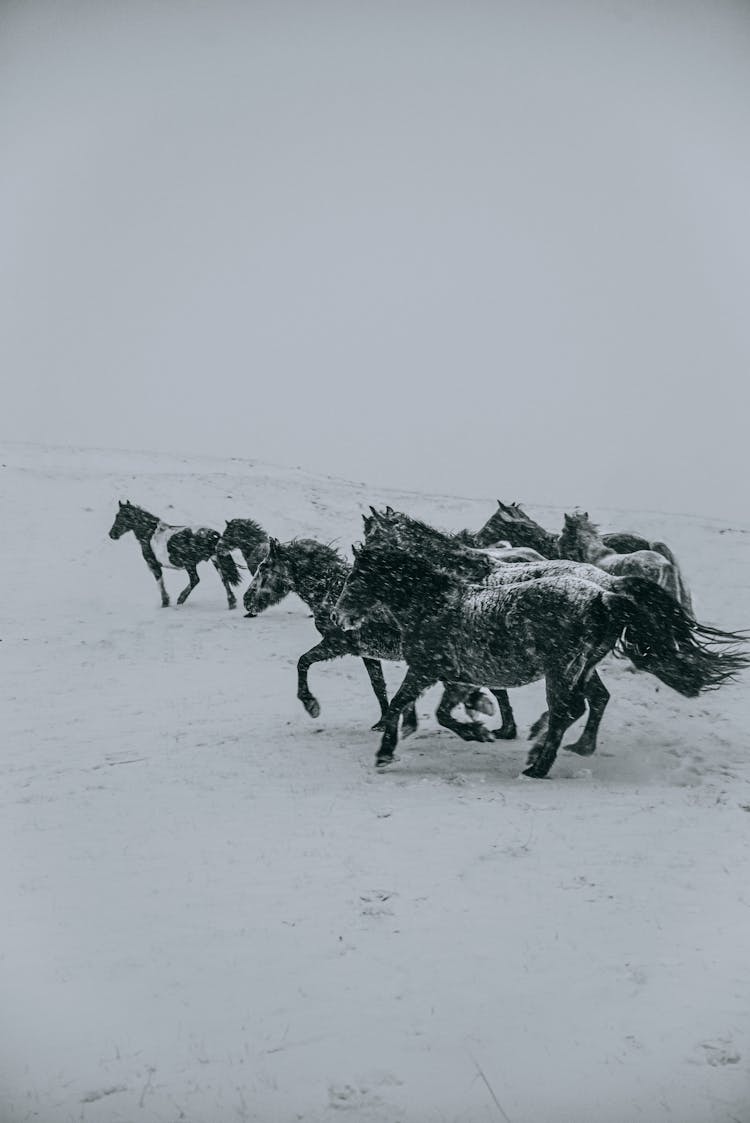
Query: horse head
123,520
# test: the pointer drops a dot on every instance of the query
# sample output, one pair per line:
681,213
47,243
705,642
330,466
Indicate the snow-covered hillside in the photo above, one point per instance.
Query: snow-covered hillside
215,909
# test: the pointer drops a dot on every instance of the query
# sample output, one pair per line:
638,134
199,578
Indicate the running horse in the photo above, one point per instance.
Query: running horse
580,541
511,522
554,624
316,572
176,547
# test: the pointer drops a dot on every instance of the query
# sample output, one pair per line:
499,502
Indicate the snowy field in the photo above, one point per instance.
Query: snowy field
215,909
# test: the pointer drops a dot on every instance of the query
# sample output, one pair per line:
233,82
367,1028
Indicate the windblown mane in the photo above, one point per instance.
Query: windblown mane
325,551
441,549
581,520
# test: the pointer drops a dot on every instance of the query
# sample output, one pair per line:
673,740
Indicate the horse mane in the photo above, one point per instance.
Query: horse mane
326,551
516,514
443,564
582,520
458,538
249,524
447,552
141,510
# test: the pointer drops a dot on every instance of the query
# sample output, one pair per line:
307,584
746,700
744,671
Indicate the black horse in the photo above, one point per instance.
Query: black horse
249,538
177,547
419,538
316,573
556,625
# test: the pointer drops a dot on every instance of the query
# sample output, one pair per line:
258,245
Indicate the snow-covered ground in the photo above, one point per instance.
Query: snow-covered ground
214,909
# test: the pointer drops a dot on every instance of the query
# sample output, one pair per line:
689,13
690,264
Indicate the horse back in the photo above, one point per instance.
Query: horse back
639,563
185,546
624,542
507,635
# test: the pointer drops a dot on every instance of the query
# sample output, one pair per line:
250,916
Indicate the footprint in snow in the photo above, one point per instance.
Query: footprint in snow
720,1051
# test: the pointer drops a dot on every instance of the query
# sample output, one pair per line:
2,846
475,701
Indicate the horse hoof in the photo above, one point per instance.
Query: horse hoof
580,751
382,762
506,734
407,730
313,708
535,772
250,615
232,606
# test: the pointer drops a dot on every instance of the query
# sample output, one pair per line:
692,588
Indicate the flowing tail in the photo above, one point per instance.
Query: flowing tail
685,599
660,637
227,565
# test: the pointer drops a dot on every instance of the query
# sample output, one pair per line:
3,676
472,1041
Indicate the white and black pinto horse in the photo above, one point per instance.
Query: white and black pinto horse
177,547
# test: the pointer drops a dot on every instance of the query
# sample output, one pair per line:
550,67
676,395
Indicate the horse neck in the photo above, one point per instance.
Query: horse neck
421,594
545,543
552,547
589,546
518,533
316,580
253,542
144,524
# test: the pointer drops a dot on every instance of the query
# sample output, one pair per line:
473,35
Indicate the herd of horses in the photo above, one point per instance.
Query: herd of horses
501,607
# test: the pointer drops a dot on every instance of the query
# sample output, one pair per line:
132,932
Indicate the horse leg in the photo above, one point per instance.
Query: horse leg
409,690
231,598
476,701
156,569
566,704
374,669
597,697
538,726
319,654
192,573
466,730
507,730
409,719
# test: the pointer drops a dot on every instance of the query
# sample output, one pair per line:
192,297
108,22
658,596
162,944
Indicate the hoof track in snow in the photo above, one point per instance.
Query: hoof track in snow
720,1052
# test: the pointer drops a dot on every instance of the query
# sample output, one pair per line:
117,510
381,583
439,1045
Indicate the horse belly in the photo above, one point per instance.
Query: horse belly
159,545
505,664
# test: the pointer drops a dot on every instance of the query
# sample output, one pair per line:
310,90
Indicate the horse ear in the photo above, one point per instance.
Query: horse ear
273,545
390,512
355,551
585,514
121,503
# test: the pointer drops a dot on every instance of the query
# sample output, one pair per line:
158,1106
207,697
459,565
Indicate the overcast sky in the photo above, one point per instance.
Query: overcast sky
487,248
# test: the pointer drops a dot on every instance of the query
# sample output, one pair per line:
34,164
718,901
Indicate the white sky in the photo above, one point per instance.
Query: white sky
489,248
